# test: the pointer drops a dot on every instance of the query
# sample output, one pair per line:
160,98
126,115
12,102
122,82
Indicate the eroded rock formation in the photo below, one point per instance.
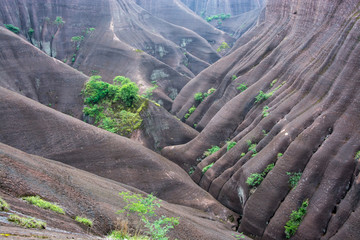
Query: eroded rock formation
304,57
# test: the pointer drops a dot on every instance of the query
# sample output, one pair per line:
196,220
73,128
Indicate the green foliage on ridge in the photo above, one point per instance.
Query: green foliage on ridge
255,179
37,201
296,218
12,28
114,107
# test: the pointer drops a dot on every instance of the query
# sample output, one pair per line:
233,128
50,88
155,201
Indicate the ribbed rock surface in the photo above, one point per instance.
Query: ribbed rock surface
127,40
307,54
27,70
213,7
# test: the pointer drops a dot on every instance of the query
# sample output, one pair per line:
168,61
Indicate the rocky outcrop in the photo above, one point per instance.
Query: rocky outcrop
300,65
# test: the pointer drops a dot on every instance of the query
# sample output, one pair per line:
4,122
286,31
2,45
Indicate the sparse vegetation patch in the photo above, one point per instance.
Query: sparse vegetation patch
296,218
37,201
27,222
85,221
4,206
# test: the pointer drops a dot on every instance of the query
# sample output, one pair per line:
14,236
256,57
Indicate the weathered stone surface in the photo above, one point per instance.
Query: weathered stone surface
213,7
311,49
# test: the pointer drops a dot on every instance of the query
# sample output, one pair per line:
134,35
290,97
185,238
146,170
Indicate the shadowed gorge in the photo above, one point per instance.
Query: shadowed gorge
243,116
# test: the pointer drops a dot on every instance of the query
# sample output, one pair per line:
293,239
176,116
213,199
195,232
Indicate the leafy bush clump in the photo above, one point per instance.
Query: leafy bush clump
145,209
242,87
85,221
295,219
255,179
265,111
357,155
233,77
221,16
223,46
209,92
4,206
204,170
31,32
252,147
114,107
27,222
191,110
230,145
37,201
294,178
12,28
199,96
211,150
262,96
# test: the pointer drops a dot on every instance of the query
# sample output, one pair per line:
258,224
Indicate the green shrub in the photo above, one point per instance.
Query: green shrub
279,155
211,150
242,87
191,171
262,96
27,222
357,155
233,77
296,218
114,107
31,32
294,178
198,96
230,145
242,154
4,206
222,47
145,209
59,21
209,92
207,168
191,110
12,28
37,201
265,111
85,221
77,38
149,92
255,179
273,83
252,147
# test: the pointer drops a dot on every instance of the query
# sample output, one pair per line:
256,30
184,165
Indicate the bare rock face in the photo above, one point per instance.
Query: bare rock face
300,68
84,194
213,7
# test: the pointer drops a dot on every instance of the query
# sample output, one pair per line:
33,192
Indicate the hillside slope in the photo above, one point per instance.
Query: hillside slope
300,65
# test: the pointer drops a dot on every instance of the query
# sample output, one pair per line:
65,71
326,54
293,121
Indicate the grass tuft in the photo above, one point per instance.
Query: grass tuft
37,201
4,206
85,221
27,222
